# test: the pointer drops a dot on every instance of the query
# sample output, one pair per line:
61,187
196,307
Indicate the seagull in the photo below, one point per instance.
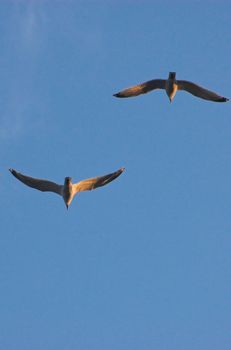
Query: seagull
171,85
68,190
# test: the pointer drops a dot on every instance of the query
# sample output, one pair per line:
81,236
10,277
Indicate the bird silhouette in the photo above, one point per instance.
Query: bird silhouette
68,190
171,86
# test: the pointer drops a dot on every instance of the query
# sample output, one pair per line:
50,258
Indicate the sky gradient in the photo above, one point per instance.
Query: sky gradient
143,263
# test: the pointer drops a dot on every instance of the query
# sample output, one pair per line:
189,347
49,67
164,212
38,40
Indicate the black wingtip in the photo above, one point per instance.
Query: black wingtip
224,99
116,95
120,95
119,172
14,173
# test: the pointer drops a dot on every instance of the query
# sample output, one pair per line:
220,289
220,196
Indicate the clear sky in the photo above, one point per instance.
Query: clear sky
143,263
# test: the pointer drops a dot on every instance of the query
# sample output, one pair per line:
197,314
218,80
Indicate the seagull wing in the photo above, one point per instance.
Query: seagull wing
142,88
38,184
91,184
199,91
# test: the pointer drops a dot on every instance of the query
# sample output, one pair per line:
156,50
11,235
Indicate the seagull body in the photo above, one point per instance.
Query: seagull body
68,190
171,85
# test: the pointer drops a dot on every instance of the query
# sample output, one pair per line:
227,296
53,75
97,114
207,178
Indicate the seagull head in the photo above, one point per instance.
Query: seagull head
67,180
172,75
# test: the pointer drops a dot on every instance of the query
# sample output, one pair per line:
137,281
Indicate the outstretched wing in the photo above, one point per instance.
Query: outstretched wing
142,88
199,91
38,184
91,184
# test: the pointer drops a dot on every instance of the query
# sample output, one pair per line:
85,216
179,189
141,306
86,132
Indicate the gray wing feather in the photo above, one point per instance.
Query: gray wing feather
142,88
91,184
38,184
199,91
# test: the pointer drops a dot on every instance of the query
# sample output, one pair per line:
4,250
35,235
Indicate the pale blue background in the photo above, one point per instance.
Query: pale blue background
143,263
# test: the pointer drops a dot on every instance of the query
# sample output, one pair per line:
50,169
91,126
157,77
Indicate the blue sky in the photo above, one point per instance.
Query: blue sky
143,263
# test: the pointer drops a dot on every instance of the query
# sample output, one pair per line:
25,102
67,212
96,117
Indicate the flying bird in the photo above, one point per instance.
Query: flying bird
68,190
171,85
